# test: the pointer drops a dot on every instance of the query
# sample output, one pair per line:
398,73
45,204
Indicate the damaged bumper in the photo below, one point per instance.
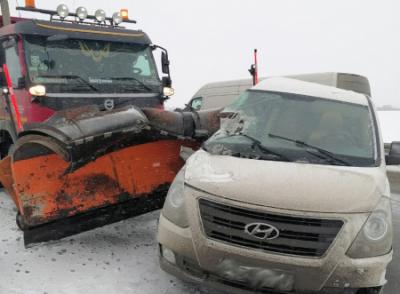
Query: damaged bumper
201,259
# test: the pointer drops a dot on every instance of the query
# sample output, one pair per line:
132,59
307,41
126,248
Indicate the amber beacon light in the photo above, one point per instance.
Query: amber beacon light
124,14
30,3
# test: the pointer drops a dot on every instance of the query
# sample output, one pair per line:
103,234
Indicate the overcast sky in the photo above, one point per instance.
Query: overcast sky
212,40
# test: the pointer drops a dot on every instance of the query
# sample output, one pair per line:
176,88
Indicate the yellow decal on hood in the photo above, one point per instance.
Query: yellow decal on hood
97,55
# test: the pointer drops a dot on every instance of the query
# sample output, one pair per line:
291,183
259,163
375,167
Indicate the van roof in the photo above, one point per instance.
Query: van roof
341,80
293,86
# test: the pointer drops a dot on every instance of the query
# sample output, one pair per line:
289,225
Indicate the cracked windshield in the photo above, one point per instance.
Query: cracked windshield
289,127
108,66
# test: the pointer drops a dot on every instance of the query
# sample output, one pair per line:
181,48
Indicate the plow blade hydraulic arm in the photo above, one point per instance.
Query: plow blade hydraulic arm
84,168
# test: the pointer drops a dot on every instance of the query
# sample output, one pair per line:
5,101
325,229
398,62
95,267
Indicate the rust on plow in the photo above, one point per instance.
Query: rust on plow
46,193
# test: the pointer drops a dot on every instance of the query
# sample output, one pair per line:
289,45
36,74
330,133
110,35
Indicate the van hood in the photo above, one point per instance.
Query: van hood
288,185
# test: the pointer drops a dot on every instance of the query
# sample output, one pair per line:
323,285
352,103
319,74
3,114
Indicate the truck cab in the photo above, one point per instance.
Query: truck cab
70,62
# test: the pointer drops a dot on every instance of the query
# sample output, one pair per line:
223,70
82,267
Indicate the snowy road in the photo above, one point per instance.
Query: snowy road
120,258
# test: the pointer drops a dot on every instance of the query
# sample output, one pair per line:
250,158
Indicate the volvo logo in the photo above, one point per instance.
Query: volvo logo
109,104
262,231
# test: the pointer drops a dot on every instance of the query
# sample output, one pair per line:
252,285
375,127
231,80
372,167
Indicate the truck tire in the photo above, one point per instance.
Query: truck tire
20,222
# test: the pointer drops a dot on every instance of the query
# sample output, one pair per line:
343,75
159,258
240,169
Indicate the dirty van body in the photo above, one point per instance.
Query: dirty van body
289,196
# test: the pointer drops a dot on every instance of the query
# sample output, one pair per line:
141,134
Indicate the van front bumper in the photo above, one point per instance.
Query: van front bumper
197,259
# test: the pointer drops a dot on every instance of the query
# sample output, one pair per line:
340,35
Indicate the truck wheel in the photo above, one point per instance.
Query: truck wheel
376,290
4,149
20,222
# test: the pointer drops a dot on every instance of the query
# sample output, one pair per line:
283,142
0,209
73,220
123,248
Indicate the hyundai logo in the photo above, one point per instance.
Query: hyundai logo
262,231
109,104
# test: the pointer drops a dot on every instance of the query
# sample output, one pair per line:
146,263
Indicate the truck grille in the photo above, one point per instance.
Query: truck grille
297,235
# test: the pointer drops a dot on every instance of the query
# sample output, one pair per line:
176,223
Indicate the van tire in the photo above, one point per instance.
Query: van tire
375,290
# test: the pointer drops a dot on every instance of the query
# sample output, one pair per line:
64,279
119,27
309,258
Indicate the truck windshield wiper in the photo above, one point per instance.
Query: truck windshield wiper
131,79
325,153
257,143
74,77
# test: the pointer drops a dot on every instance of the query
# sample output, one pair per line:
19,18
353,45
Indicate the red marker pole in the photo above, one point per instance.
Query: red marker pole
12,96
256,67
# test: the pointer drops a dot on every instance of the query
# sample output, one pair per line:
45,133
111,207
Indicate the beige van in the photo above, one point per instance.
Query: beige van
289,196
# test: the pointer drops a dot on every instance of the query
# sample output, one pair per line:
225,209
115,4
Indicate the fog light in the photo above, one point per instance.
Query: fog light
100,15
117,18
81,13
168,254
62,10
38,90
168,91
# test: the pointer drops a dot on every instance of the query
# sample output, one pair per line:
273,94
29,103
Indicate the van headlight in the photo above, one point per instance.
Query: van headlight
174,206
376,236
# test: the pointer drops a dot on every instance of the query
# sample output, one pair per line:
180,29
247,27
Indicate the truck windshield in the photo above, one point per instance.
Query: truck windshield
71,65
289,127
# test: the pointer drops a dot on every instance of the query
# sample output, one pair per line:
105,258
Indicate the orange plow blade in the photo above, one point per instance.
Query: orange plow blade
64,182
136,176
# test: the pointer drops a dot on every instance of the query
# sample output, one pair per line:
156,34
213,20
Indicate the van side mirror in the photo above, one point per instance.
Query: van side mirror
393,158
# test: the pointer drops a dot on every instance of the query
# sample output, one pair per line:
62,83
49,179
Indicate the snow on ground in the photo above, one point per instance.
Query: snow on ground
119,258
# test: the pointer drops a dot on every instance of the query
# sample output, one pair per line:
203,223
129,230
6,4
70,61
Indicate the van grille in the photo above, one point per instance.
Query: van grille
297,235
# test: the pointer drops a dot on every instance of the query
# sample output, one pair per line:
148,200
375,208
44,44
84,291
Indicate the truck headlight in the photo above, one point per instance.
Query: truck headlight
376,236
168,91
174,206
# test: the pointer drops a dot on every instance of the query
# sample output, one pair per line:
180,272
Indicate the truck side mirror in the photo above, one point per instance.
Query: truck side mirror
165,63
393,158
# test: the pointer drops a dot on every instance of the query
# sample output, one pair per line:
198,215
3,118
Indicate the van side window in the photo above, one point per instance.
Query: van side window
14,67
196,103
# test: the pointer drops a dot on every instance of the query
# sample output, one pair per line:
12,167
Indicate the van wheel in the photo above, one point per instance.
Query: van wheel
375,290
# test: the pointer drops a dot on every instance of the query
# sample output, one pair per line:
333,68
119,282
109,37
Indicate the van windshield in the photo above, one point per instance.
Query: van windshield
288,127
72,65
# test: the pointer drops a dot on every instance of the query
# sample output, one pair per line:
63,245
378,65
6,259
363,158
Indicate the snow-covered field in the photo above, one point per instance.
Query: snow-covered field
119,258
390,124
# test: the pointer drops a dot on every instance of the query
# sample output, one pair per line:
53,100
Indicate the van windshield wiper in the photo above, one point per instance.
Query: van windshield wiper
325,153
130,79
257,143
74,77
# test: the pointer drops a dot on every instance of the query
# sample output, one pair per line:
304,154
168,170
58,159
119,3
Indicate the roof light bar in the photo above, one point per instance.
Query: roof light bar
117,18
62,11
81,13
55,13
